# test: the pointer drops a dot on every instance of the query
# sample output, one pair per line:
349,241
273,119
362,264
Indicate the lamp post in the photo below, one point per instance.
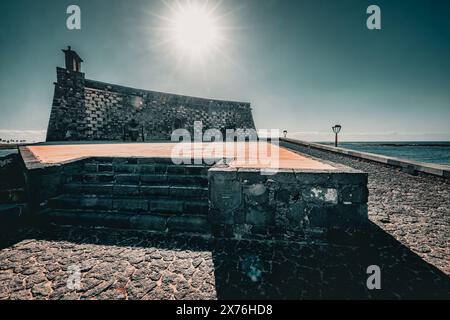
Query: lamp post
285,133
336,129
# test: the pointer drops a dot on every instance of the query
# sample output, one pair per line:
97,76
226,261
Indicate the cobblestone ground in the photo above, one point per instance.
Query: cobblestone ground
414,209
408,239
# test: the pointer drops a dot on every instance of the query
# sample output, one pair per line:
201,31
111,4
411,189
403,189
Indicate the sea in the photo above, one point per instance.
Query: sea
431,152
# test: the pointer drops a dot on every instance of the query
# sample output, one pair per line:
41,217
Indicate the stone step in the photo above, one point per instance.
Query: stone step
144,191
179,224
142,161
141,205
154,168
146,179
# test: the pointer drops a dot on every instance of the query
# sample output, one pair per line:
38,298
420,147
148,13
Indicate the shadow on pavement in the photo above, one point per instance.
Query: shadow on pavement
281,270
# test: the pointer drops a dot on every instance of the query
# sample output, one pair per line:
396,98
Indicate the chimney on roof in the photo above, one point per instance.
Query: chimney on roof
73,60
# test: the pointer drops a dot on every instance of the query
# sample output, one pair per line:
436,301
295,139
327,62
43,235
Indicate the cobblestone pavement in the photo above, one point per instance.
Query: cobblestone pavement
42,264
414,209
408,239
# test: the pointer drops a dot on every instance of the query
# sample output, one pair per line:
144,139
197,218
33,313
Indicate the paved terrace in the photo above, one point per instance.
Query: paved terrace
247,155
408,239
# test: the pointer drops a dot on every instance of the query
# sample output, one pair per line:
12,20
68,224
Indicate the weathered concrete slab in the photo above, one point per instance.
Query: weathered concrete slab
54,154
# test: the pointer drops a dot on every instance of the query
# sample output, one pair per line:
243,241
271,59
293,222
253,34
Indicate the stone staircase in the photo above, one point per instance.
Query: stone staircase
147,194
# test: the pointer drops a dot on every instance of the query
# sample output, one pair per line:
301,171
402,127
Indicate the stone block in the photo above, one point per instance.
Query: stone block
175,170
101,189
256,193
186,180
154,190
353,194
160,168
319,195
153,179
93,202
196,207
132,160
188,192
149,222
166,206
131,205
147,169
125,168
127,178
104,178
220,217
196,170
222,230
225,195
282,177
317,216
90,167
251,176
259,216
295,216
192,224
73,188
311,178
126,190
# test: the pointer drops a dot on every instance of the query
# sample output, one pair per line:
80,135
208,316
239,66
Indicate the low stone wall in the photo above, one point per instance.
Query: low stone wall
296,203
11,179
12,189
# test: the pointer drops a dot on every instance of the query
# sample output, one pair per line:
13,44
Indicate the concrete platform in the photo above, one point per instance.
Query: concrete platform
48,154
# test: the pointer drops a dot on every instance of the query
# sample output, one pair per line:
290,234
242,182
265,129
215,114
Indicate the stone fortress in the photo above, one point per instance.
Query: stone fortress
87,110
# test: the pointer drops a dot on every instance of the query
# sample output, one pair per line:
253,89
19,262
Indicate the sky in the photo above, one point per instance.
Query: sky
304,65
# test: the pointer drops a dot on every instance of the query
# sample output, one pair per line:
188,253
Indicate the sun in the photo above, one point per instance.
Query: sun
195,30
194,33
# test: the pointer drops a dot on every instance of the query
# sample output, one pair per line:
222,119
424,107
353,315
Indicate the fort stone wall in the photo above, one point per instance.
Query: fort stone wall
91,110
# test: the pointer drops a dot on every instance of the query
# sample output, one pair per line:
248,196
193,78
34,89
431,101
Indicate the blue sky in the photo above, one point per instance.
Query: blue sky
304,65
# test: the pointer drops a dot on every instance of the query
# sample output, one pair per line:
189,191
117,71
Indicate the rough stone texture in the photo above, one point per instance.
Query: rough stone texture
38,264
11,180
90,110
415,209
12,190
292,203
143,194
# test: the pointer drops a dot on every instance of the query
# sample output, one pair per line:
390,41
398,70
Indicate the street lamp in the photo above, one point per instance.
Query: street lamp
336,129
285,133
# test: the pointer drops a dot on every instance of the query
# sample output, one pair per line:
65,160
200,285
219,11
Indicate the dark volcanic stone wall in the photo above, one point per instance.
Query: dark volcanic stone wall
11,180
91,110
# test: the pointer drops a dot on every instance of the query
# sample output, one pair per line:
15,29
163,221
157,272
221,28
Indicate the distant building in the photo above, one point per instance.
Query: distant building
90,110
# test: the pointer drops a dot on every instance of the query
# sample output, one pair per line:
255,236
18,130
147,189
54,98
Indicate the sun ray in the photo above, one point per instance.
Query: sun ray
193,27
194,36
